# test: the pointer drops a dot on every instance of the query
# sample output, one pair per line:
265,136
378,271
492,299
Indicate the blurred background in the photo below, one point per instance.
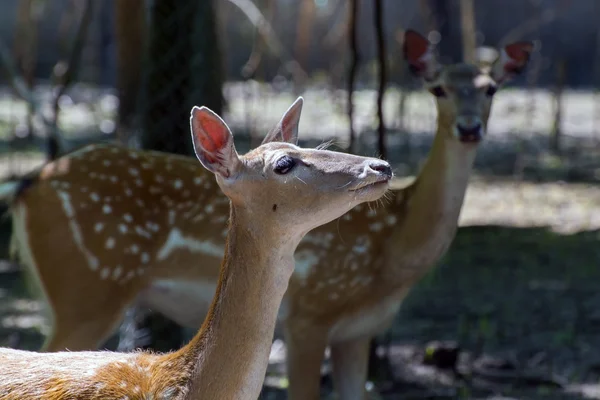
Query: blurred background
517,297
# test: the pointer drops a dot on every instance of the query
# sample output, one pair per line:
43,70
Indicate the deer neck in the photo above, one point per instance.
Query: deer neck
229,355
429,209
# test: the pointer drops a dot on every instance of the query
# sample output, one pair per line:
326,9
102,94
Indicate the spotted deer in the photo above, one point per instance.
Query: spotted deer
373,257
277,193
154,224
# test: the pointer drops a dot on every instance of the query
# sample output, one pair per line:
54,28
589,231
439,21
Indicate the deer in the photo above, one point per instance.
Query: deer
277,193
379,255
351,275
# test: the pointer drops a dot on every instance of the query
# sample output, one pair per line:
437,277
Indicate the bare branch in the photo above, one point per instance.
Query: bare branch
382,76
63,74
266,30
353,34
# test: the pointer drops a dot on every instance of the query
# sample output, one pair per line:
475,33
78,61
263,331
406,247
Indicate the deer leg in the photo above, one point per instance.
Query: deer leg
349,363
305,352
82,333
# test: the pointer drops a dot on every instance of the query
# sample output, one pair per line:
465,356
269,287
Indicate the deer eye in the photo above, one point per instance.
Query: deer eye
437,91
284,165
491,90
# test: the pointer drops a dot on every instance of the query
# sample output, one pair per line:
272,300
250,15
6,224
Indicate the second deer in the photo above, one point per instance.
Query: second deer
269,215
150,230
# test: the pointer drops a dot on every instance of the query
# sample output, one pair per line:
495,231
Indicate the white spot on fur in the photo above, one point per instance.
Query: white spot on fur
110,243
133,172
134,248
106,209
94,196
306,260
117,272
376,226
177,184
128,217
145,258
123,228
391,219
176,240
93,262
104,273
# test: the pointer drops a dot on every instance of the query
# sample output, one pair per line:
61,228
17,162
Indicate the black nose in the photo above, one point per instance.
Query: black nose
382,167
469,133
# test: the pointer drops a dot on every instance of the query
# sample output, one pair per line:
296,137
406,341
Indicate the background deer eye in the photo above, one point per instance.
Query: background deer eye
491,90
284,165
437,91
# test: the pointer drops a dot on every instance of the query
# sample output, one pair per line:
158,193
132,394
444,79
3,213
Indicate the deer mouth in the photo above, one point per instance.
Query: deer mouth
472,134
366,186
470,138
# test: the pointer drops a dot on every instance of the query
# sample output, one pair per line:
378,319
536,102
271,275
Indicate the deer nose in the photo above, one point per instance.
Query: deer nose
381,167
469,129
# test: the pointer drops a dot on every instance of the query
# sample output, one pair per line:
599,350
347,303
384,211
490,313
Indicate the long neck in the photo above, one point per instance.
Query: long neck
230,353
429,209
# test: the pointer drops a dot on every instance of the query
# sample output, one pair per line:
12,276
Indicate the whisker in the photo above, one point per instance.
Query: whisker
326,144
300,180
347,184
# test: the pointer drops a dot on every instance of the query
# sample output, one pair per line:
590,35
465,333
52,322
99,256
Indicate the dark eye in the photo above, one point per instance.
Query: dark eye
437,91
284,165
491,90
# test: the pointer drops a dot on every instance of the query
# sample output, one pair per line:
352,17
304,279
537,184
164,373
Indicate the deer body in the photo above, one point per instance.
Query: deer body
269,215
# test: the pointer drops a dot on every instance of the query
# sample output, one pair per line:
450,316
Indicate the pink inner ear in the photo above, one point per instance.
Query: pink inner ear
519,52
212,139
415,47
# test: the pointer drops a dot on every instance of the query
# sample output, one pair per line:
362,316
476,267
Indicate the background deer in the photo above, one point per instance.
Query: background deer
270,213
151,231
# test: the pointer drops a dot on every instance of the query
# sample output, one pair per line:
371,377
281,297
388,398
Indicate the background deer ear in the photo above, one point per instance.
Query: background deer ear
286,129
419,54
512,61
213,142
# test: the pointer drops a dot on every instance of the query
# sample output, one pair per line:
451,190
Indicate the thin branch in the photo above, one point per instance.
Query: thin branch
467,16
353,34
64,73
16,81
251,66
382,76
266,31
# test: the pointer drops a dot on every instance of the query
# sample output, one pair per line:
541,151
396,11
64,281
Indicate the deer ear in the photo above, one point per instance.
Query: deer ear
419,54
286,129
213,142
513,59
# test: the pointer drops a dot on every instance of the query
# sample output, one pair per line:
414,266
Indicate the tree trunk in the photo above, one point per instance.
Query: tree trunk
130,29
184,69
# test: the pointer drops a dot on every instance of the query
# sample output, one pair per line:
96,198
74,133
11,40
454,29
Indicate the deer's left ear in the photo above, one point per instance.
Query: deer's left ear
286,129
419,55
512,61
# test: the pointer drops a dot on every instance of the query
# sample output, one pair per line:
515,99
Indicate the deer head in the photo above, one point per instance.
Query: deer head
295,187
464,91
